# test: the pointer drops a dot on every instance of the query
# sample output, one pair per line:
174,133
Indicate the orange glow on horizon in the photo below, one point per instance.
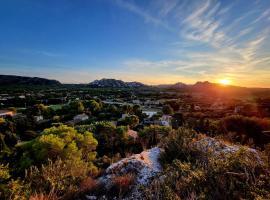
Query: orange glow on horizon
225,82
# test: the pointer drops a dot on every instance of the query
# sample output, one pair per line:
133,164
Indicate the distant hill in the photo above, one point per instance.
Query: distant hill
178,85
22,80
115,83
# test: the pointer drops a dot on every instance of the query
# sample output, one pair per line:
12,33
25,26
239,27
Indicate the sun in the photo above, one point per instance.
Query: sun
224,82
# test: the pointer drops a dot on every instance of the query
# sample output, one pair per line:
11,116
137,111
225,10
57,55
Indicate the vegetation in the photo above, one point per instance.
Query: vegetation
190,173
60,140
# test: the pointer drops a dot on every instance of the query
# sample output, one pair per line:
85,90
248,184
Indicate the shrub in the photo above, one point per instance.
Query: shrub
43,197
58,142
192,172
245,128
151,136
88,184
121,184
60,178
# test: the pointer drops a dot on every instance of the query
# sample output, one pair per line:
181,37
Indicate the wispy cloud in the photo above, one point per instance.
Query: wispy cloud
165,7
142,13
234,43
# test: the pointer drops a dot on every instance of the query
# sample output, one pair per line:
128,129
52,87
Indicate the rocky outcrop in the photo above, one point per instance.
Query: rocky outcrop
144,165
221,150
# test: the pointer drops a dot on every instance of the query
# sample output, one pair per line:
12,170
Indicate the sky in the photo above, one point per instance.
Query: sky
151,41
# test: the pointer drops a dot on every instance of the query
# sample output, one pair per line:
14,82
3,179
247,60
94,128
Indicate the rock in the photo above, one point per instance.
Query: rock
90,197
222,150
144,165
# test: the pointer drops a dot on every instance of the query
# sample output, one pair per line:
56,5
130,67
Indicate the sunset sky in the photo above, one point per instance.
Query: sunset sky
152,41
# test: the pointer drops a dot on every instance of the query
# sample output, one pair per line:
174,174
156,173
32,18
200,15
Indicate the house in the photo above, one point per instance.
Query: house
136,101
22,96
197,108
166,120
238,109
148,121
149,113
80,118
124,116
151,102
6,113
38,118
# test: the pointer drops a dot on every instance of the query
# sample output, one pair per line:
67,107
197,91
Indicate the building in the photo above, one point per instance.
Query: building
151,102
80,118
149,113
124,116
166,120
136,101
6,113
38,118
197,108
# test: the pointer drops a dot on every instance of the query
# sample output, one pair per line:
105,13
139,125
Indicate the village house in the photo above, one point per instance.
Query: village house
136,101
38,118
6,113
80,118
149,113
166,120
151,102
197,108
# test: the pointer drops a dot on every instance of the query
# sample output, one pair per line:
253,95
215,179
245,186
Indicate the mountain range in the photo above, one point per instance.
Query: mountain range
115,83
10,80
22,80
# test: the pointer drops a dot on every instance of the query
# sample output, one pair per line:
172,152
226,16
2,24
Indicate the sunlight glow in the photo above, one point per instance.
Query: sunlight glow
225,82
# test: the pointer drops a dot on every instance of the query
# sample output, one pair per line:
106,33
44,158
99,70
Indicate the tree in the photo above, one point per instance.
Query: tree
77,107
93,106
56,118
59,142
177,120
245,128
152,135
132,121
167,110
39,109
127,109
105,134
174,104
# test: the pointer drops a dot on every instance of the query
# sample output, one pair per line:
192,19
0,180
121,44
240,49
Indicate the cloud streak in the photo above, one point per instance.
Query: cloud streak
234,44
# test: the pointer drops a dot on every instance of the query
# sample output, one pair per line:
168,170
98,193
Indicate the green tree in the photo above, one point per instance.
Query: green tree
76,107
167,110
93,106
132,121
59,142
152,135
127,109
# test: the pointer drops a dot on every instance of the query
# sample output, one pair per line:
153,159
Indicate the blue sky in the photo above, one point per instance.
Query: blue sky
152,41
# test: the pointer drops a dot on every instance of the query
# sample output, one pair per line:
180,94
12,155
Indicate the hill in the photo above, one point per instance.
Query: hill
178,85
115,83
23,80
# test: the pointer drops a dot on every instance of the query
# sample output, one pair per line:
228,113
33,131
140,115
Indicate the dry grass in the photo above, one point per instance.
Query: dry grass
88,184
122,183
43,197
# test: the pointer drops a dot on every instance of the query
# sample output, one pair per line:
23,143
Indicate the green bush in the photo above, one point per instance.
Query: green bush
191,173
58,142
